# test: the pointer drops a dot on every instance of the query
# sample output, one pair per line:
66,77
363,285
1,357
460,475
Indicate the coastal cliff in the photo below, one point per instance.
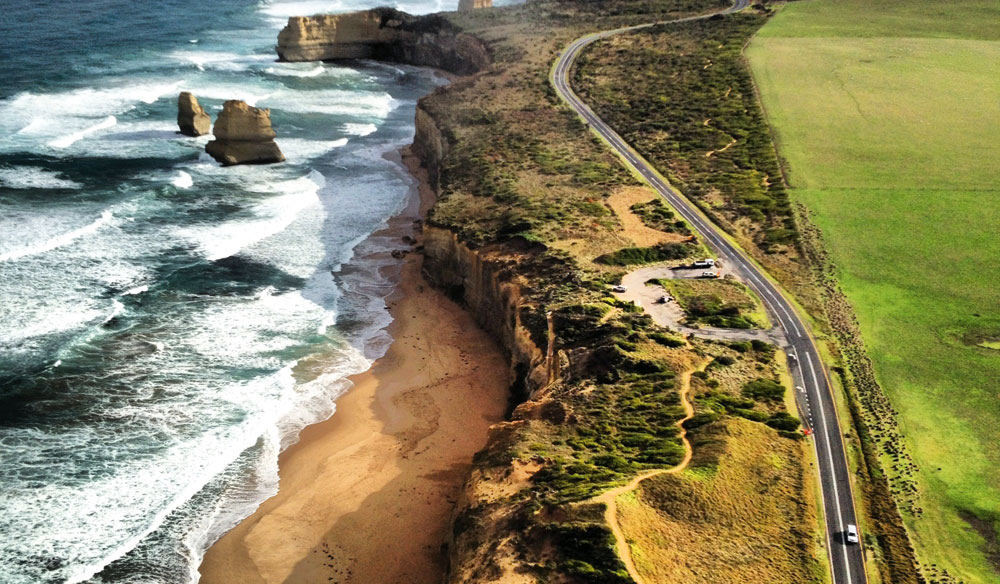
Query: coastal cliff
243,135
385,34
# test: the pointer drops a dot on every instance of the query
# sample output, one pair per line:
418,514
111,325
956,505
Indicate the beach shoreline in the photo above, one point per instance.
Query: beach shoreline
368,495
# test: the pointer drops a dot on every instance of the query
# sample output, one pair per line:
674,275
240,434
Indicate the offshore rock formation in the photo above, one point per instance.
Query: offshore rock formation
466,5
243,135
191,118
385,34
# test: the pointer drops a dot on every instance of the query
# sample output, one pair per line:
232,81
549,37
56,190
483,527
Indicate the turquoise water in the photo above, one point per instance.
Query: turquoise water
153,305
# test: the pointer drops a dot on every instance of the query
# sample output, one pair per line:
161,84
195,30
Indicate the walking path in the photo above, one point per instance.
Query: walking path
610,498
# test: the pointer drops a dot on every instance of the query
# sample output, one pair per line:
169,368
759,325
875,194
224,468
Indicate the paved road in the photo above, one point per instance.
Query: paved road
815,399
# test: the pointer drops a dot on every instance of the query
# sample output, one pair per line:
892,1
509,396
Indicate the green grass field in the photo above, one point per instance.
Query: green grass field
888,115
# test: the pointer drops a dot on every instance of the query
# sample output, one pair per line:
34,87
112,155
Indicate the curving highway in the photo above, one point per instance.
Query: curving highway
813,392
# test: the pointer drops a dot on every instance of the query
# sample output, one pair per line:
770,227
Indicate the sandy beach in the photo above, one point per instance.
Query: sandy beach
367,495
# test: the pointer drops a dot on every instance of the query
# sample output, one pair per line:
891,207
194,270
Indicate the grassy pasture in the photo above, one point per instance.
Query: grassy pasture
887,116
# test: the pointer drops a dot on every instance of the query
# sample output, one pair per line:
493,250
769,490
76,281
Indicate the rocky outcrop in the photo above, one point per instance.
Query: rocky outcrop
191,118
385,34
466,5
243,135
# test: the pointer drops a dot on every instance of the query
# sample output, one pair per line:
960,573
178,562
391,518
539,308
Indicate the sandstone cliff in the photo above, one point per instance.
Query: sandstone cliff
243,135
466,5
191,118
385,34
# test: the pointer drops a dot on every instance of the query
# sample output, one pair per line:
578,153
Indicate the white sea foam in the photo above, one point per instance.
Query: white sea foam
220,61
281,11
336,102
30,177
359,129
183,180
69,139
296,70
273,216
135,291
299,149
116,309
59,240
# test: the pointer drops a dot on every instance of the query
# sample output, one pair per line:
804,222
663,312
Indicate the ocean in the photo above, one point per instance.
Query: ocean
167,326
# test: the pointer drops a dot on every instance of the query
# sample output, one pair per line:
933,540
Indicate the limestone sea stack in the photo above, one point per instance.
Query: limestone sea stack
384,34
191,118
243,135
466,5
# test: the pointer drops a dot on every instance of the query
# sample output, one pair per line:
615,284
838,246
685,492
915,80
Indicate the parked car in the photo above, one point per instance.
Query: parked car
851,535
619,288
705,263
710,274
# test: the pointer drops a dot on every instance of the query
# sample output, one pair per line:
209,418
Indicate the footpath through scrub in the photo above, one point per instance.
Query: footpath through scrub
609,498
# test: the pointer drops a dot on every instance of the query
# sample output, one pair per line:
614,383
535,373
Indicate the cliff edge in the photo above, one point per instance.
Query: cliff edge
385,34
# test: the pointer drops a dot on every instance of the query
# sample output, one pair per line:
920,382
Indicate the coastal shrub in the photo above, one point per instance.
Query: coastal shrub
740,346
701,419
783,421
587,552
646,255
764,390
656,215
667,340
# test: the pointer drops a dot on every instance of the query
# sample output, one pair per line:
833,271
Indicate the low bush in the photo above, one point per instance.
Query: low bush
646,255
764,390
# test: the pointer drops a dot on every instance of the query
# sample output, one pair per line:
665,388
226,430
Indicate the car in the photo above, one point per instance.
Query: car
663,300
705,263
619,288
710,274
851,535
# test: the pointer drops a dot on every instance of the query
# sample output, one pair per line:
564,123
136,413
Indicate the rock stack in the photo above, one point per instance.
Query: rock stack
466,5
193,120
243,135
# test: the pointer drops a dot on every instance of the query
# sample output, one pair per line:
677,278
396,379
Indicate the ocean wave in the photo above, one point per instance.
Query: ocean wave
295,70
299,149
281,11
336,102
69,139
36,112
59,240
30,177
220,61
359,129
183,180
117,308
274,215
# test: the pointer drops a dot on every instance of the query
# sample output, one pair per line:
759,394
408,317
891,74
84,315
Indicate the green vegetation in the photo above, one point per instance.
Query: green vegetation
656,215
523,184
647,255
721,303
723,514
683,97
887,117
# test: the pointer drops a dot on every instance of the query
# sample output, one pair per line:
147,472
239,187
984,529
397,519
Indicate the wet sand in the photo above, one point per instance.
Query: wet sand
367,495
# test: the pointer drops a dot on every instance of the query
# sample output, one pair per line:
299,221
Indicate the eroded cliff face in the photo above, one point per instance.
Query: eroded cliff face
466,5
191,118
384,34
243,135
487,522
